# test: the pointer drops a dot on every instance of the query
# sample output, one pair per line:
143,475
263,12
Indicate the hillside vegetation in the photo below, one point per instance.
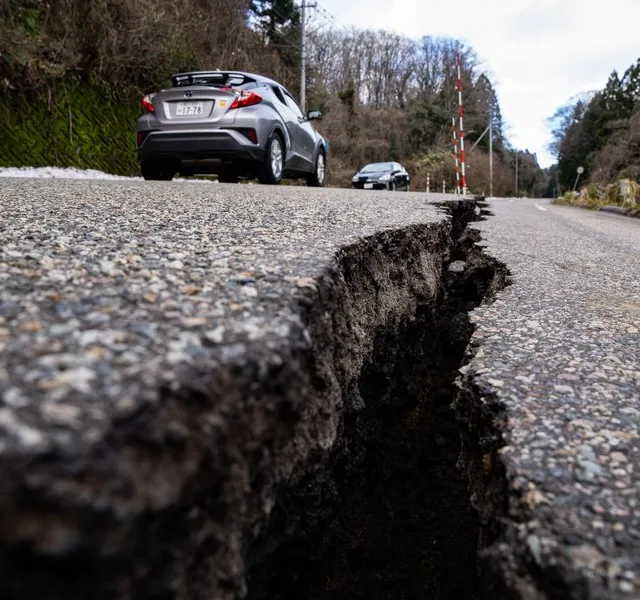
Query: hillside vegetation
72,73
600,131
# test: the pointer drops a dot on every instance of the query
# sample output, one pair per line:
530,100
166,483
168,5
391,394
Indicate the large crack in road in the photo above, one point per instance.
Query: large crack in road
315,444
388,515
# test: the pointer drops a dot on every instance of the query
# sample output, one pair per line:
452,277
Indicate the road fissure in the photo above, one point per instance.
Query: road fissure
387,514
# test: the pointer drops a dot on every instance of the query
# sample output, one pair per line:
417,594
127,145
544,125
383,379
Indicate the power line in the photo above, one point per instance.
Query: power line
328,16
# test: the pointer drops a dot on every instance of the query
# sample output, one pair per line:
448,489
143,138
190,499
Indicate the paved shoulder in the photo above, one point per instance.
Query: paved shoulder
558,351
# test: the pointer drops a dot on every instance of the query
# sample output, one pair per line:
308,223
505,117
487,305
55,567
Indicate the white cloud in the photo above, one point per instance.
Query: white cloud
540,52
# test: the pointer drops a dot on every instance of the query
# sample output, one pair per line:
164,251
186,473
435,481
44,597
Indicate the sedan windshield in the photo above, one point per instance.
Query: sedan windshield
377,168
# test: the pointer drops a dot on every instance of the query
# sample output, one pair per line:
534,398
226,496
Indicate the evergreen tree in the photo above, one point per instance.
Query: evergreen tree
279,23
580,141
485,107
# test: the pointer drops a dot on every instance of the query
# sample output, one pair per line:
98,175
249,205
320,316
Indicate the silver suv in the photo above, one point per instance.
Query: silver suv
231,124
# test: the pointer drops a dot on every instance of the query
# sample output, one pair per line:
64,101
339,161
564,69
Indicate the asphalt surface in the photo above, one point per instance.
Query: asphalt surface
560,348
109,289
171,354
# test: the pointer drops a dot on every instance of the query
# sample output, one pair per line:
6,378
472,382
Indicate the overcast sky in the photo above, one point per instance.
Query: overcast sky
539,53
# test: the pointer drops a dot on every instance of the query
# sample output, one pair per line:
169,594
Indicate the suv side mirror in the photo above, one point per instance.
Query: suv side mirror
313,115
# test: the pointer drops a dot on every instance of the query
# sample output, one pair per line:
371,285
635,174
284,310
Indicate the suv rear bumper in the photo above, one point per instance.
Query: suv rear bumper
180,146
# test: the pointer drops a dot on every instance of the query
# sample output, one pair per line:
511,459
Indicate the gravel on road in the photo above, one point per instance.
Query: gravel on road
171,355
117,296
558,353
108,288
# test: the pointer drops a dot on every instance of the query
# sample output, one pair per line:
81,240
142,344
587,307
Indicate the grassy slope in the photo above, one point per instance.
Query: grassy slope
624,194
71,124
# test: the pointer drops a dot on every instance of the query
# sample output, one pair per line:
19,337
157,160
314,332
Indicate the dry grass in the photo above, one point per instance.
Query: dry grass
624,194
138,42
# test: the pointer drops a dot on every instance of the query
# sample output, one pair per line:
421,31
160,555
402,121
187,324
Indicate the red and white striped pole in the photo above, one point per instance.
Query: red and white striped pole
462,158
455,154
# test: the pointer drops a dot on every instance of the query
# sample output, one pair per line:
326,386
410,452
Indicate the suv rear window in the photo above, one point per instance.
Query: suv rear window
278,92
213,78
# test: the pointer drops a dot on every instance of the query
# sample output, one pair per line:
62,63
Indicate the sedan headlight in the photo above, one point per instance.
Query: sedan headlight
385,177
355,177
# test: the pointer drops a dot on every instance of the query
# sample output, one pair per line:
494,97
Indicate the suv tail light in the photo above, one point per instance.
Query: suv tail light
246,99
146,104
141,136
249,133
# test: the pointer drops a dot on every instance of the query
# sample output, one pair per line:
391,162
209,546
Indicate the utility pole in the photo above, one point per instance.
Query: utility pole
303,59
516,195
490,155
303,54
461,131
490,130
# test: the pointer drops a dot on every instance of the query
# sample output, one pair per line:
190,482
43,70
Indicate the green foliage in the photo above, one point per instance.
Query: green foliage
318,99
78,124
624,194
568,198
279,23
348,95
26,15
425,122
30,21
594,191
482,106
599,134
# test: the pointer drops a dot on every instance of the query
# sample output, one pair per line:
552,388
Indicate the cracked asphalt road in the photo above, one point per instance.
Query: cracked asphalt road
172,356
110,288
560,349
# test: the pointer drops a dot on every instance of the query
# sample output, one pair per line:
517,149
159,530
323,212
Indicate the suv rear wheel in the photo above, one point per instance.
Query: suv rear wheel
316,179
273,166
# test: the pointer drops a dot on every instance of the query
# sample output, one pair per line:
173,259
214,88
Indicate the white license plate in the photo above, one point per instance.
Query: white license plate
368,186
188,109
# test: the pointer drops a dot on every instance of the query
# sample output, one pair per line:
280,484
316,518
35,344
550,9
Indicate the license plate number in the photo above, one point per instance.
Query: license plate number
368,186
188,109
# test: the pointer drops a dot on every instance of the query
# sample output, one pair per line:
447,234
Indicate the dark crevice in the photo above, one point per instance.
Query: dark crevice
331,467
388,514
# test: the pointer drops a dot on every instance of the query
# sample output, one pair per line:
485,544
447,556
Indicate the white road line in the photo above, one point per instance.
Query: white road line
540,207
